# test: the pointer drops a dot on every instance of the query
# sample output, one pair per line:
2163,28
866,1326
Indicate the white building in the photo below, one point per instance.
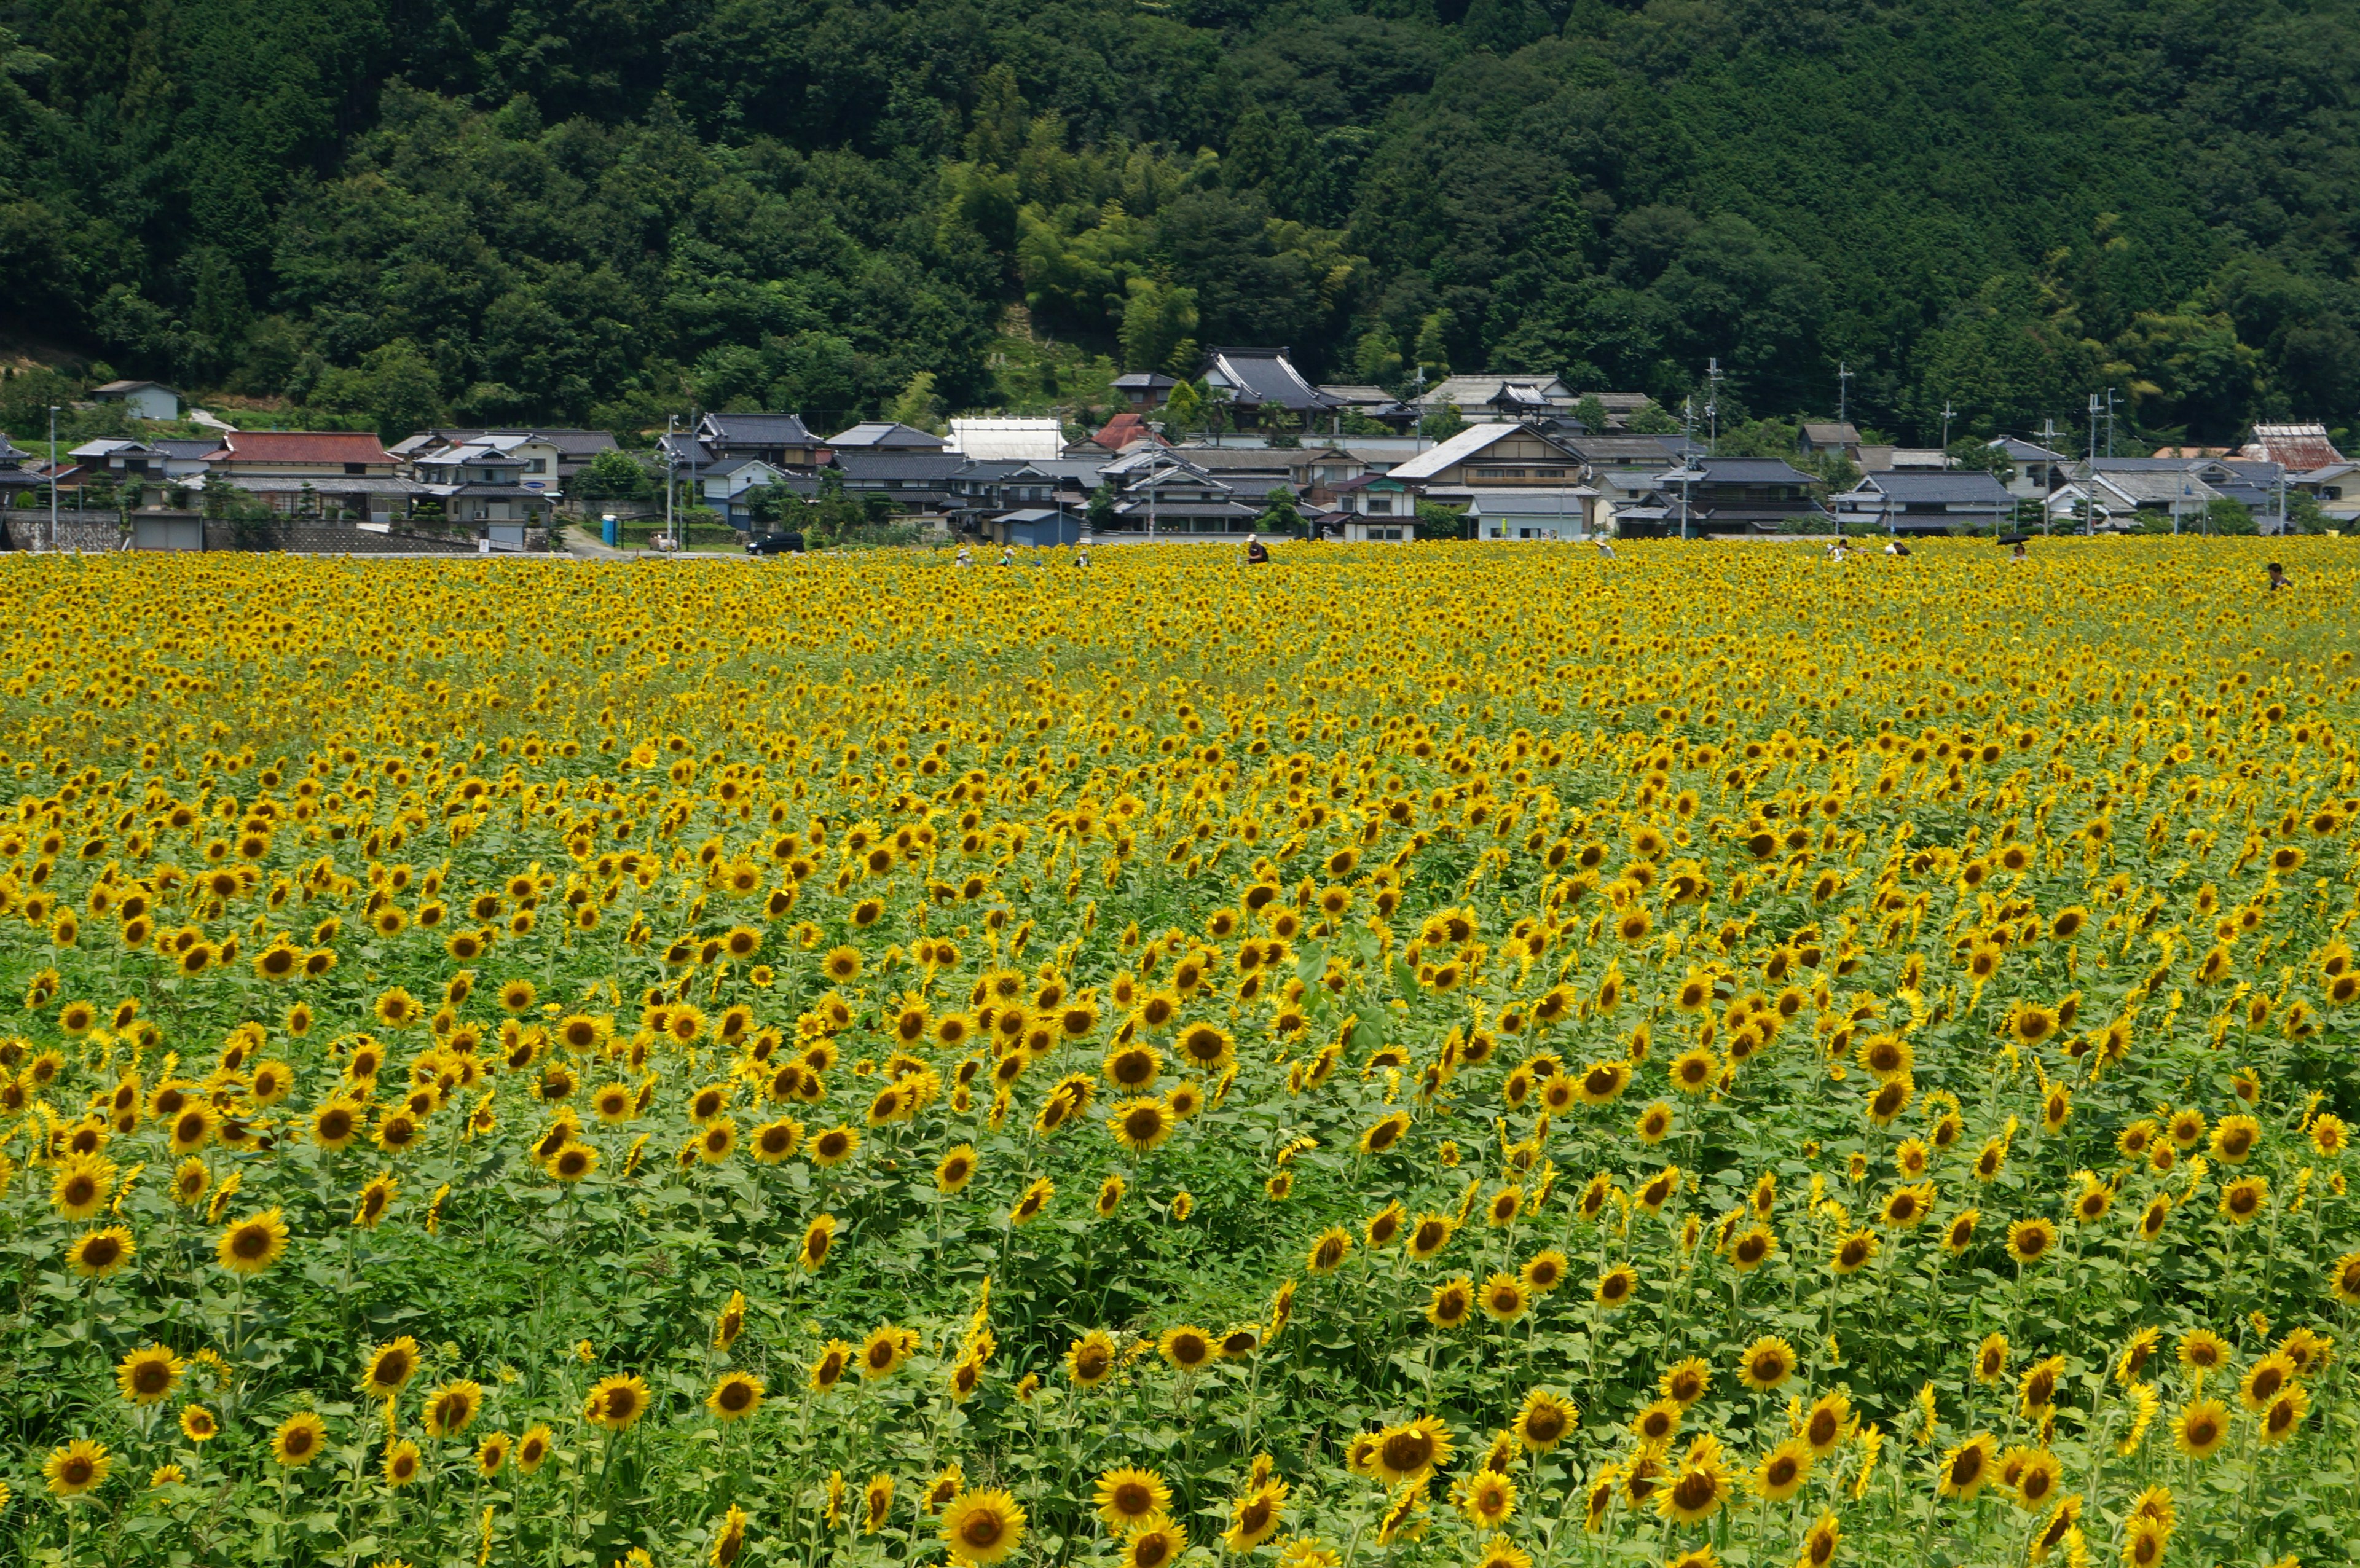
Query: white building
143,399
1008,440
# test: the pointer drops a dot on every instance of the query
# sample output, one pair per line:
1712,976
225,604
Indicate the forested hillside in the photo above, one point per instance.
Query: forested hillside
598,210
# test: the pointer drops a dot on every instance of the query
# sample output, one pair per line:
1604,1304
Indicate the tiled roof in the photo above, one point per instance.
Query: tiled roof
300,446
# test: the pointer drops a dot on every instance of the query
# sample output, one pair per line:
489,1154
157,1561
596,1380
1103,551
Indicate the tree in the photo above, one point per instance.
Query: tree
1156,319
917,406
1436,520
1592,412
1183,406
1649,418
1101,513
1279,515
1442,421
613,475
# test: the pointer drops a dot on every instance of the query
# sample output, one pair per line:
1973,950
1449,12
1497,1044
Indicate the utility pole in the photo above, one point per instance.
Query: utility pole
2110,421
1843,388
2093,428
1712,408
672,470
1947,414
53,476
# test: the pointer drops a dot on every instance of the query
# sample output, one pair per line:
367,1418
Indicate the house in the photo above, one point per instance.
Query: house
1262,384
1144,389
1373,403
727,487
1532,512
18,474
1623,470
884,435
780,439
981,490
140,399
1961,500
997,440
2335,486
1119,434
1838,436
309,471
2034,471
1374,495
1738,496
1495,397
1161,492
1493,455
1371,530
551,458
1037,528
1621,407
2299,448
1886,459
914,480
2120,489
481,485
120,460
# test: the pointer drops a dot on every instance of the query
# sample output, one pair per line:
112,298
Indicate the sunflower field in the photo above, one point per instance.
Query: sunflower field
1471,1055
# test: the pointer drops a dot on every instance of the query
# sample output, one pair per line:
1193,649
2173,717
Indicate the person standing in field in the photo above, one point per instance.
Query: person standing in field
1257,553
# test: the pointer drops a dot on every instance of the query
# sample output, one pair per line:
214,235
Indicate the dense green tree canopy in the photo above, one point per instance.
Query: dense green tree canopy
602,209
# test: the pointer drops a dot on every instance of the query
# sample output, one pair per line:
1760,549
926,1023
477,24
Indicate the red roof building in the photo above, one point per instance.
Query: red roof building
1127,430
2299,449
302,453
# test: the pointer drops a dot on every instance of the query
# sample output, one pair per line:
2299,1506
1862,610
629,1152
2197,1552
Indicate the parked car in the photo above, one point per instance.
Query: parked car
775,544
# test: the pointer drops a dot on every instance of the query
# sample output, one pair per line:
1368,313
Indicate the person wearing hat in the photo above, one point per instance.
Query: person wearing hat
1257,553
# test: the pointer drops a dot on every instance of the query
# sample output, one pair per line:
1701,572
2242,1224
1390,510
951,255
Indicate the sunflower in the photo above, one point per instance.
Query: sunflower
2035,1480
2028,1241
1825,1423
1544,1271
492,1452
81,1186
2245,1198
1544,1420
1141,1123
876,1504
402,1462
1033,1202
834,1147
1254,1515
2283,1415
827,1369
533,1449
1990,1358
1186,1347
982,1528
615,1402
452,1407
1452,1303
1700,1485
1658,1423
1767,1362
1782,1470
148,1375
2201,1428
1153,1546
1965,1467
2343,1280
1820,1542
80,1467
884,1351
1432,1233
251,1245
1091,1359
1617,1288
391,1367
1505,1297
1489,1499
1412,1451
99,1253
299,1440
1328,1252
1129,1499
729,1539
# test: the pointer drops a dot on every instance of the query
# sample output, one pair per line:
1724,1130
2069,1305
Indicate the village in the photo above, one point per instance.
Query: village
1263,450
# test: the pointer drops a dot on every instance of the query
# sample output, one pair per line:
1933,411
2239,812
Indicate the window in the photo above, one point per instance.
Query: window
1380,506
357,468
538,465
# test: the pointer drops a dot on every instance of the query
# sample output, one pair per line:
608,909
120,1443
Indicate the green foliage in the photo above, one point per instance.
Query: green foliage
1651,420
614,476
1437,521
1442,421
604,214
